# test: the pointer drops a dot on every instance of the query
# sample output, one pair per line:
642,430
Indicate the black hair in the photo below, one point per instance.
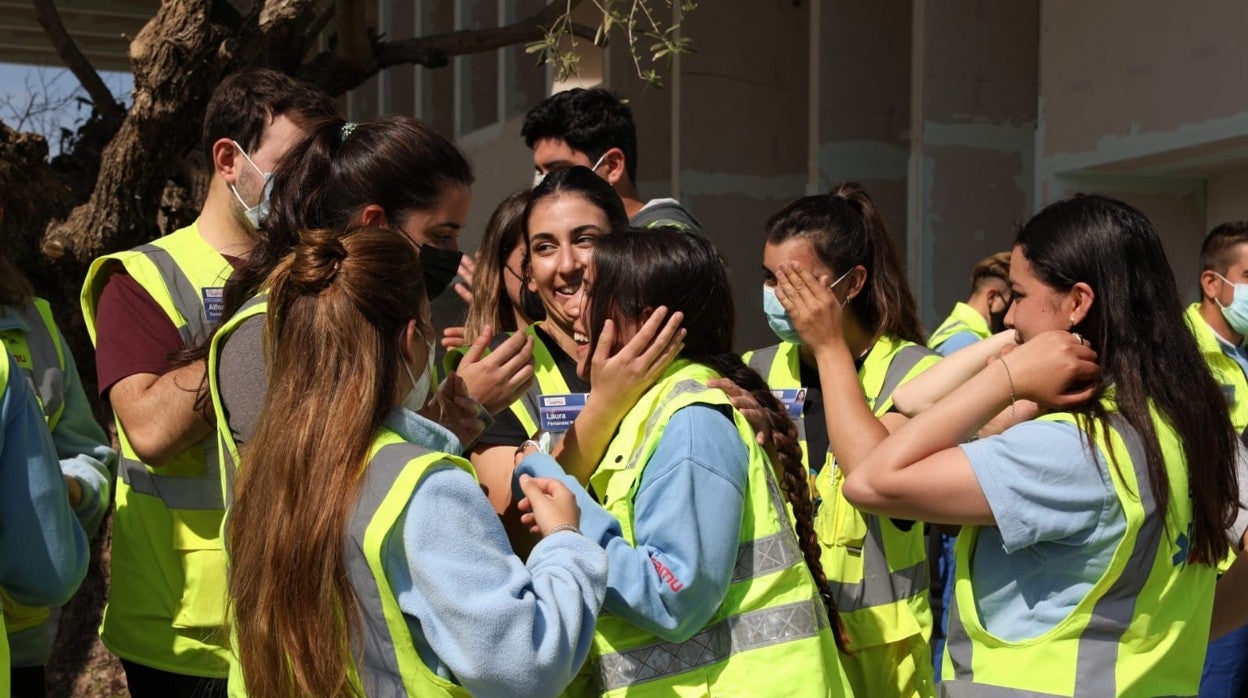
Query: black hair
1136,325
245,103
582,182
1215,251
636,269
592,121
845,229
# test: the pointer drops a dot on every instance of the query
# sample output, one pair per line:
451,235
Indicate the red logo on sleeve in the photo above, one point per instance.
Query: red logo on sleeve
666,575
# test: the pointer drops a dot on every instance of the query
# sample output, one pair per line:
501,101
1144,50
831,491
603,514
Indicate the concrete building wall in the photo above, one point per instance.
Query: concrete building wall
973,115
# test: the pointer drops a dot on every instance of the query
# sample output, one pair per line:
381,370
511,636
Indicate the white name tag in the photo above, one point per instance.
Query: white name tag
793,398
557,412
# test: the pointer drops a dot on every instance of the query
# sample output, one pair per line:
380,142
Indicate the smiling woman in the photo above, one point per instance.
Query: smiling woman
565,214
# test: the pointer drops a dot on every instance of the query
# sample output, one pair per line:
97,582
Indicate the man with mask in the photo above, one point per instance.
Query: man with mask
983,313
164,617
1220,322
595,129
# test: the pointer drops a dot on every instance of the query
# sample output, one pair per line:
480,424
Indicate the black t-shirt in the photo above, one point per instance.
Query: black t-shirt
814,417
507,430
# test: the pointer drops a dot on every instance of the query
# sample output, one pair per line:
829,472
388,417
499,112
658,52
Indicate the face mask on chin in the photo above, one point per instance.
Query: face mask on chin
258,213
419,394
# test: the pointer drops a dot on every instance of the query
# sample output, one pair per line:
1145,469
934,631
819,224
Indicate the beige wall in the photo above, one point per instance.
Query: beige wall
973,116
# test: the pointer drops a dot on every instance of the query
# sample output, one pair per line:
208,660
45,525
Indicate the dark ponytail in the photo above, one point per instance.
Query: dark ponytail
646,268
846,229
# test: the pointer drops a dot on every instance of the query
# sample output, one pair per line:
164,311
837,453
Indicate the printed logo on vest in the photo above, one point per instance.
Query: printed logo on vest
794,400
214,303
557,412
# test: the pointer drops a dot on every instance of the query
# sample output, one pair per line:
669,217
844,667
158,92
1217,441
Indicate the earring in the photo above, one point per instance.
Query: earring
1072,322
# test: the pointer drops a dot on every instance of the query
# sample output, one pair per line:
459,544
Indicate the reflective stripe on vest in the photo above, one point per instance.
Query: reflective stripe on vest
387,663
715,643
227,447
771,604
1099,645
47,362
202,492
184,294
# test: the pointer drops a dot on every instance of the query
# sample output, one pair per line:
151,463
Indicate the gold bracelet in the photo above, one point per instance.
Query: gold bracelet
1010,378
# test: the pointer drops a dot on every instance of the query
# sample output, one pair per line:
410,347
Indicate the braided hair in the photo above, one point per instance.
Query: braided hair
646,268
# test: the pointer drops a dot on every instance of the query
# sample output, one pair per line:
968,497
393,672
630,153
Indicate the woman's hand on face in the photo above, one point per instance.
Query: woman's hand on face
813,308
744,402
547,505
1056,369
620,379
499,378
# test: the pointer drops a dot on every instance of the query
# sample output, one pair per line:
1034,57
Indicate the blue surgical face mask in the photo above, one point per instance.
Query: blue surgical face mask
1236,313
778,318
255,214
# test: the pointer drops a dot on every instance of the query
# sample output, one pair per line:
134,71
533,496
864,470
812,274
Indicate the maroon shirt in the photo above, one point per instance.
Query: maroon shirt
133,334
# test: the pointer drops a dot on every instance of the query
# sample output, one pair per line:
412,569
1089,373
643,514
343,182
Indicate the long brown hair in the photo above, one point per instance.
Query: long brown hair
490,303
338,307
846,229
1145,352
640,268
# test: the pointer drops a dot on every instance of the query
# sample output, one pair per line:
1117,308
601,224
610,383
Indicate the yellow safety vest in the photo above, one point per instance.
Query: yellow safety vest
389,663
166,607
227,448
770,634
4,636
37,349
1143,627
964,318
1226,371
877,570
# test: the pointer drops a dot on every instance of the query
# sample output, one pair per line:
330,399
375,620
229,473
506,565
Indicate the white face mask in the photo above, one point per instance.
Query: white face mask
419,394
255,214
539,176
1236,313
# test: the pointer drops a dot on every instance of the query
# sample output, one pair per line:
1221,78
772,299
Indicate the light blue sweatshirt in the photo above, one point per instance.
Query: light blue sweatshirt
478,614
687,524
43,549
85,455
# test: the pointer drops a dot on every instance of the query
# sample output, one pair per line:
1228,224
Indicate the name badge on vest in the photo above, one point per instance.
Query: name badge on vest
1228,391
214,303
793,398
556,412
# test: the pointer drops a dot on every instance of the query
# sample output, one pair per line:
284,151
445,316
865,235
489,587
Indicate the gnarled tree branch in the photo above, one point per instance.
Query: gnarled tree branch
75,60
336,75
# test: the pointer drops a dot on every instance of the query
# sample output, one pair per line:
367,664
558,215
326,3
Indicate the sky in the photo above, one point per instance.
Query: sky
25,85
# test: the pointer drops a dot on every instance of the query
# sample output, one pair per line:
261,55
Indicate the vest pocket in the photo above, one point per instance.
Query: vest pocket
197,542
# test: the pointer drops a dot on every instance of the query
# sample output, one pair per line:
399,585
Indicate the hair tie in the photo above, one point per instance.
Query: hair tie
347,128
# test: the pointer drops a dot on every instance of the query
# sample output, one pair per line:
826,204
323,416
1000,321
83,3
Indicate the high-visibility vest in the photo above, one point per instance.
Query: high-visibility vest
4,635
1226,371
770,633
38,351
964,318
388,664
1142,628
166,606
877,570
227,447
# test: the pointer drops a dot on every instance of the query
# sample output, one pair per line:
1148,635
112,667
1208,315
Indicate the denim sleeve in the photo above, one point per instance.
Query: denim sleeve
43,549
687,525
481,616
83,449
